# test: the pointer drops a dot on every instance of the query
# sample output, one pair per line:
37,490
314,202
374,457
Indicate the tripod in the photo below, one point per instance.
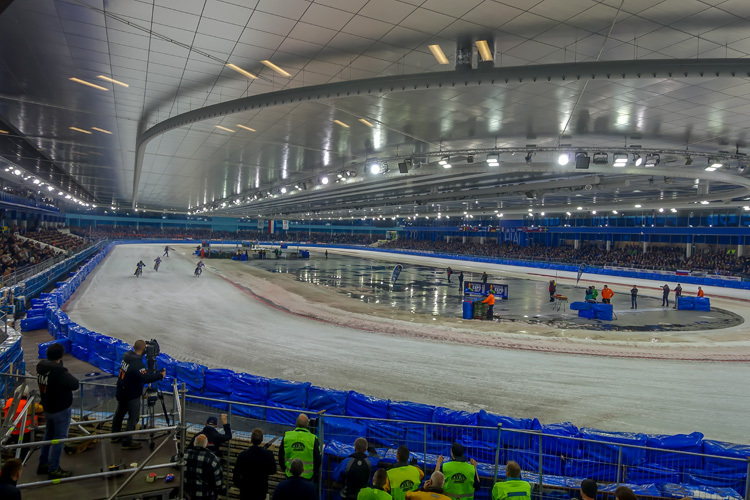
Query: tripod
151,395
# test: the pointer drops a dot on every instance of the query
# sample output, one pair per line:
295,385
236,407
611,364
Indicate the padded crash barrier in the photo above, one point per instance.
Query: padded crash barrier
564,460
591,310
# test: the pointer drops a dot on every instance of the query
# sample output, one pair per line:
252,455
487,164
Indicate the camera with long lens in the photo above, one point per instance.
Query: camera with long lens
152,351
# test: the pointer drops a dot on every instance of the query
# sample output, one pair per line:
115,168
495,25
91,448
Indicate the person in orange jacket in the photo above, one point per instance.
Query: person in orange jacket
700,292
607,294
490,301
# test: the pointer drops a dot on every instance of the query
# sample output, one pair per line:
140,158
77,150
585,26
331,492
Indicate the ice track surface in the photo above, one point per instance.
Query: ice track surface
210,321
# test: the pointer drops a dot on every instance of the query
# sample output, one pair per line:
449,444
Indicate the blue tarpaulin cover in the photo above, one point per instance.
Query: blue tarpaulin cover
343,429
672,490
360,405
580,306
692,443
710,477
79,352
287,392
711,447
587,314
455,417
33,323
218,381
646,490
332,401
246,411
167,362
44,346
529,461
652,473
246,387
597,471
281,416
78,335
191,374
557,445
103,345
609,453
384,434
215,395
404,410
509,438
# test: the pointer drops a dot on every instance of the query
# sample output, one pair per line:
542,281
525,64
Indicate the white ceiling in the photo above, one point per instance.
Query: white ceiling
173,56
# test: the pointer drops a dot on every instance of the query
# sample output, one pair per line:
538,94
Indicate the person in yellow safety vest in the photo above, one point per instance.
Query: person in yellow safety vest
513,486
490,301
376,492
403,476
432,490
303,444
461,477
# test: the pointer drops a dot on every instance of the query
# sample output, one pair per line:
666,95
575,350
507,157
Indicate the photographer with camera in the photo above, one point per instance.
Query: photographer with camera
132,376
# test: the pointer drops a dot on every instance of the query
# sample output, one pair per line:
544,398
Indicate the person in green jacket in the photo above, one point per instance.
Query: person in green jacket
461,476
403,476
303,444
376,492
513,486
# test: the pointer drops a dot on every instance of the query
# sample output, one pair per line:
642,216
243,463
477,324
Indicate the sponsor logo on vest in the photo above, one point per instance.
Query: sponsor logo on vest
407,485
298,447
458,478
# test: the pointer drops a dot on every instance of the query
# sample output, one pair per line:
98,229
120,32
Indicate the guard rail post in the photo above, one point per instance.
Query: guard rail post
424,426
747,481
183,439
619,464
321,438
497,454
541,472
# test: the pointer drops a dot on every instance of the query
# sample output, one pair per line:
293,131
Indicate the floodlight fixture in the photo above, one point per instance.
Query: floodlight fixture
652,160
282,190
324,180
620,159
528,157
637,160
493,160
715,163
688,160
563,159
444,160
600,158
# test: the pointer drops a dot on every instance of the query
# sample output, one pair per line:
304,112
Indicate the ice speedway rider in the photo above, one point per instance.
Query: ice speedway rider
199,268
139,268
157,261
166,251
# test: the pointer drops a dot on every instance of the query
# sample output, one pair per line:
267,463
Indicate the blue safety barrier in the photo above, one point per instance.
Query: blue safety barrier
610,452
685,303
286,392
331,401
557,445
35,323
218,381
42,348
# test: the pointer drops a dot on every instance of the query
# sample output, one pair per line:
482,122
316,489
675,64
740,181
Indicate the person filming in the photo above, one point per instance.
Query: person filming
130,380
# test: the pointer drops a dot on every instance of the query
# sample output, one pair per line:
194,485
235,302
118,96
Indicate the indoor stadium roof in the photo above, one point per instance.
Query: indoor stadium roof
242,107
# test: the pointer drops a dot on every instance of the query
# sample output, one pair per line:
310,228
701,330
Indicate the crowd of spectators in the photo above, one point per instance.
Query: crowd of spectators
664,258
16,253
57,239
131,232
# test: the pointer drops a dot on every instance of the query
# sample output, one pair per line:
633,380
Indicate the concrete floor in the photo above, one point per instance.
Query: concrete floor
216,320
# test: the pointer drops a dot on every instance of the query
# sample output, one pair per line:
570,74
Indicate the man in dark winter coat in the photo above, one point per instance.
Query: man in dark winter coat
252,469
216,438
56,386
9,476
354,471
130,382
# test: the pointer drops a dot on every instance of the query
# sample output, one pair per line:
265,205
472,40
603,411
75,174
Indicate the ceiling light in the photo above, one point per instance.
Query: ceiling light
36,181
637,160
366,122
661,210
60,193
67,196
620,159
637,206
80,130
563,159
704,203
276,68
17,172
580,208
593,212
493,160
614,212
715,163
438,53
224,128
50,188
283,190
241,71
568,214
484,50
652,160
324,180
339,122
374,167
673,210
84,82
444,160
710,169
4,132
112,80
247,128
101,130
600,158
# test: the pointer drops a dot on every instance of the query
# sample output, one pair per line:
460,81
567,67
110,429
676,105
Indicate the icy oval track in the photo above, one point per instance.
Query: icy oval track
211,321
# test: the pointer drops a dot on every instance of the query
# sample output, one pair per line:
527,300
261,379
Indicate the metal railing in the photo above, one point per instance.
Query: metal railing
176,433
